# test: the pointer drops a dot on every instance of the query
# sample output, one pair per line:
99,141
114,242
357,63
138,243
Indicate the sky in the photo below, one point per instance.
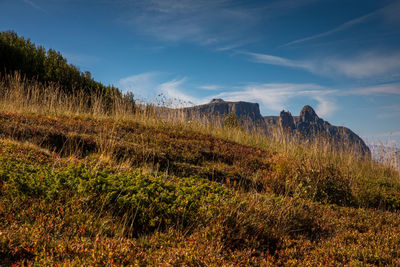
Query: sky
342,57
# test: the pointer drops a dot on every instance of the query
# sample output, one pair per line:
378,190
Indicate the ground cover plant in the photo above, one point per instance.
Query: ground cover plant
80,185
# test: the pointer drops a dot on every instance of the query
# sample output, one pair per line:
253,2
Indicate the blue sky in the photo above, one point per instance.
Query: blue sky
340,56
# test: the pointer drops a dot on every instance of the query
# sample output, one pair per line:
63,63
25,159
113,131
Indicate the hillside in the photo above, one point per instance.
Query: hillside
91,179
92,188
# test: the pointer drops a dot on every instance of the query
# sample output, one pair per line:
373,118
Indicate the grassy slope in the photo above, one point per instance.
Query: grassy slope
79,190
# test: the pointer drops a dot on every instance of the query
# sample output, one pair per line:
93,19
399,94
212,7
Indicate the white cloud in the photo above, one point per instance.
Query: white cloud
391,13
142,85
209,87
234,45
205,22
222,23
392,108
174,93
34,5
326,106
339,28
276,96
279,61
271,96
152,87
365,65
383,89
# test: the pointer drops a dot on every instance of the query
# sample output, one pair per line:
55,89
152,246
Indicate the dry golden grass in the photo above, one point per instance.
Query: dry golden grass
96,184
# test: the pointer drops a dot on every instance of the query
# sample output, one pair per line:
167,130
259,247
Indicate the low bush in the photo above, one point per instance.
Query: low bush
144,201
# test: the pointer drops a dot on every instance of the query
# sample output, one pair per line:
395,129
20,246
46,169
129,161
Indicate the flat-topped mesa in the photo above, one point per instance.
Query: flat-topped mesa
245,111
217,100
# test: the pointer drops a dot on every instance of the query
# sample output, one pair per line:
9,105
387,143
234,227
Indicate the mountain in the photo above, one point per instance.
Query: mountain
218,108
307,126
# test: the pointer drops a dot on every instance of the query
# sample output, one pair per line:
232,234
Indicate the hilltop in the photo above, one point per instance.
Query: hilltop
96,180
87,188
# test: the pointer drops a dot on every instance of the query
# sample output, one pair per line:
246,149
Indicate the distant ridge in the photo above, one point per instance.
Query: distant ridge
307,126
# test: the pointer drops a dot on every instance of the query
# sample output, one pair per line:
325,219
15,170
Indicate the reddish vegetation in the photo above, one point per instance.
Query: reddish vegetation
169,149
70,185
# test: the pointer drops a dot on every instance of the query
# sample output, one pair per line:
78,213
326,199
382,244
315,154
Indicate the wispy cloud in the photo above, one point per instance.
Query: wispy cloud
149,86
210,87
280,61
391,12
339,28
395,108
235,45
326,106
142,85
271,96
286,5
379,90
34,5
173,91
276,96
205,22
364,65
388,13
224,24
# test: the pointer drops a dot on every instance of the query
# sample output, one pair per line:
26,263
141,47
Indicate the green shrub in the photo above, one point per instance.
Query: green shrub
145,201
149,202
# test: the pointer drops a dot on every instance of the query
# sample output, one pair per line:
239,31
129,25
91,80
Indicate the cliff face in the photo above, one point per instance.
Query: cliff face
244,111
307,126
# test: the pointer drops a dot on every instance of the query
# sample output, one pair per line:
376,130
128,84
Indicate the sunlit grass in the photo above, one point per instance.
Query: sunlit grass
84,181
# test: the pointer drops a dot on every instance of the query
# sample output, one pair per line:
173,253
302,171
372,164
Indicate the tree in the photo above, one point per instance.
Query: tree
34,62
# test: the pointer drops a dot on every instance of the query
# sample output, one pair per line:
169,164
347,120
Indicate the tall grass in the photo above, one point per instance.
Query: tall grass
79,215
20,95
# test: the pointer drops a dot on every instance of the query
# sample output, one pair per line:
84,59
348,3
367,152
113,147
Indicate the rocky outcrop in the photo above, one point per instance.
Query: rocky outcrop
307,126
286,121
218,108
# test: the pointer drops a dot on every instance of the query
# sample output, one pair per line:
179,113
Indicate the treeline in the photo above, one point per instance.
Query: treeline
47,67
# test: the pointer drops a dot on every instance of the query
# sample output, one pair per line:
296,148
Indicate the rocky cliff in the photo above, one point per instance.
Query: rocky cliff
306,126
218,108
